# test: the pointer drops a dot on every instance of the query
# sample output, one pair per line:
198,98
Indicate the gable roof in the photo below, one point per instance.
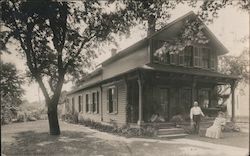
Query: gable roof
163,31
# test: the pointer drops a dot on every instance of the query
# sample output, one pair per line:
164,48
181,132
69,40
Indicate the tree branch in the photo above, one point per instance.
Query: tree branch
50,81
78,52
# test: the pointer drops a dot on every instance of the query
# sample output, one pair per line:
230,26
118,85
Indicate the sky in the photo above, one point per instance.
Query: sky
230,27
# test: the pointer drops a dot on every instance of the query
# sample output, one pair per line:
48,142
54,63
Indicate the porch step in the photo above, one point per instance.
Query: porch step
166,125
166,131
172,136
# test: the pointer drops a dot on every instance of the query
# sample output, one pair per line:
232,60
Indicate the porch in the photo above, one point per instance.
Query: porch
170,91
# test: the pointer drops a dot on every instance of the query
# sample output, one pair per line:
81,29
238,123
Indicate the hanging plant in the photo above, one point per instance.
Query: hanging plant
192,33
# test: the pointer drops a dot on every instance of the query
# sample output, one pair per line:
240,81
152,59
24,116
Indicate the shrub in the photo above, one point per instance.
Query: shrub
177,119
71,118
125,130
21,116
231,127
6,117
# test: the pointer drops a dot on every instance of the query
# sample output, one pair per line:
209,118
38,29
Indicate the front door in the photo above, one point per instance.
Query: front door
186,99
164,103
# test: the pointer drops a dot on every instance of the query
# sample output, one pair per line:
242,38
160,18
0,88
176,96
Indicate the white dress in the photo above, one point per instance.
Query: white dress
215,130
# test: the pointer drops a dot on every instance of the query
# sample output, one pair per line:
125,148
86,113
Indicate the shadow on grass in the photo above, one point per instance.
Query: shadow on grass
68,143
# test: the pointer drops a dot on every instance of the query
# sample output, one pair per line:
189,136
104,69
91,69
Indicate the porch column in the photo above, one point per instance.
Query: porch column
140,86
233,101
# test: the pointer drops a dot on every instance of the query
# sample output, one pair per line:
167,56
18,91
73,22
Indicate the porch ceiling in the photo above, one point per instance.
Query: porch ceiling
198,72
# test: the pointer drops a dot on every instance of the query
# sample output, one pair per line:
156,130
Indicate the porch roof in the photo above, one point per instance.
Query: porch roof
188,71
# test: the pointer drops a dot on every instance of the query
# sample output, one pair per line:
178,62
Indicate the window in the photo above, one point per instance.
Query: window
185,57
73,105
197,57
181,58
87,102
173,58
112,100
80,103
201,57
165,58
212,64
188,56
205,57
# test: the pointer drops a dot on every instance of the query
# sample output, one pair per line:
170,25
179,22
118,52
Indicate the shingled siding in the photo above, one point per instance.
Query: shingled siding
120,116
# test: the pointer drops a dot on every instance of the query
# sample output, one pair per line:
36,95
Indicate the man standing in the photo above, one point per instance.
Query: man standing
195,116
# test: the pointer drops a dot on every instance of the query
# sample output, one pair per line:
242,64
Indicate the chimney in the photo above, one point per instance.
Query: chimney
151,25
113,51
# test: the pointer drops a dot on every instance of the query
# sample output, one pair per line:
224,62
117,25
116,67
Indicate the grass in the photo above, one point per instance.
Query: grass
32,138
17,139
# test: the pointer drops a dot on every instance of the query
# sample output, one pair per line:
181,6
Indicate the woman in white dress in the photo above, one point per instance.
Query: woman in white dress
215,130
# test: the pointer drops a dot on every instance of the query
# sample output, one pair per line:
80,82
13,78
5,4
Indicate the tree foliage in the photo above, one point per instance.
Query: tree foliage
236,65
58,40
11,90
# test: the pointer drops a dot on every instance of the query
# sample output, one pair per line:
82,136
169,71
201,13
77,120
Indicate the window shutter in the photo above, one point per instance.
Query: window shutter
87,103
97,102
188,56
212,60
115,100
196,57
94,102
82,103
73,105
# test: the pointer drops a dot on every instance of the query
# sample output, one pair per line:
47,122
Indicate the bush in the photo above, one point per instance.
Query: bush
6,117
123,131
21,116
231,127
177,119
71,118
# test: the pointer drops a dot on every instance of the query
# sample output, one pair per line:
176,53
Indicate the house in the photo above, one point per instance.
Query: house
133,84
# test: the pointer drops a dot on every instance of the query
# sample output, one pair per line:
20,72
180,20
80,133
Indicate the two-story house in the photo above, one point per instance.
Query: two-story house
134,84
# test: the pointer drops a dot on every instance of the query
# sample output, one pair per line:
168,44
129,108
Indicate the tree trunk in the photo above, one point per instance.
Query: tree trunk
53,119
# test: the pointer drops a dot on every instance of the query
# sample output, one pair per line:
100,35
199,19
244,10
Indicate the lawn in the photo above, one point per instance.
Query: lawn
32,138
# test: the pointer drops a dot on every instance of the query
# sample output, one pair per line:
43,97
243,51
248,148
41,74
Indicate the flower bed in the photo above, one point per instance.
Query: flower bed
126,130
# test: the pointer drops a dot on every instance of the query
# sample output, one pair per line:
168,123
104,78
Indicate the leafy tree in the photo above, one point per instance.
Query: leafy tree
11,90
237,66
58,40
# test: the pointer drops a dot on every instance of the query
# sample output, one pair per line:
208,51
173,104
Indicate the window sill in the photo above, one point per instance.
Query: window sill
113,113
